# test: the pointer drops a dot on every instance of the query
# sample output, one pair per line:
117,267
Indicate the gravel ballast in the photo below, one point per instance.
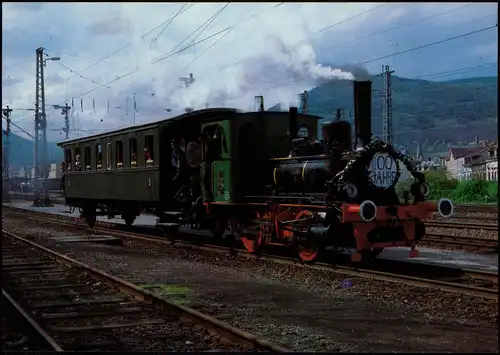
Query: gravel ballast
297,308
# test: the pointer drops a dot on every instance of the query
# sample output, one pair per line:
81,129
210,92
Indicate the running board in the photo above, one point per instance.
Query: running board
168,225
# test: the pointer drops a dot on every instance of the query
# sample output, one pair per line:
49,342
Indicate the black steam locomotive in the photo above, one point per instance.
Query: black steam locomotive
263,176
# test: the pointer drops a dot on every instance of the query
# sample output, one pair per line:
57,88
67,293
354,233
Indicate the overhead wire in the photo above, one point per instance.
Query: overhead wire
150,31
210,21
103,85
164,22
129,44
170,21
206,50
429,44
192,45
81,76
227,29
100,60
350,18
401,26
454,71
26,132
207,23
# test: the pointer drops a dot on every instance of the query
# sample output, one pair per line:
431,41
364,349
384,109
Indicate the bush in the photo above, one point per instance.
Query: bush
493,191
474,191
441,185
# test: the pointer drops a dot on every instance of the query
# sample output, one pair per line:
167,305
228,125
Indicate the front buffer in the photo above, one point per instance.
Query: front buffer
378,227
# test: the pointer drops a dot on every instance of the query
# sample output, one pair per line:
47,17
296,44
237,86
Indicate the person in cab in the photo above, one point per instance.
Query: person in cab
78,164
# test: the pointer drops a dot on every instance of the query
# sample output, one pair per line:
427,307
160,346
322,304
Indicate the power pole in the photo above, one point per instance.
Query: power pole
65,112
259,102
135,107
387,115
338,116
304,102
6,112
41,160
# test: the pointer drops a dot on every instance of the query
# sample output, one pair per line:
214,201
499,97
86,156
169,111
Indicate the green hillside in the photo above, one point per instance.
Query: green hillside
436,112
22,150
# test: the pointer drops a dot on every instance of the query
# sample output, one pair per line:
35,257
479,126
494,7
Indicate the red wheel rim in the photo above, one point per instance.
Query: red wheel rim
253,243
310,252
283,216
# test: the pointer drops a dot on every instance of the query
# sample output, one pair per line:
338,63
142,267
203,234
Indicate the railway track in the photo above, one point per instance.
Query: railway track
480,208
487,245
461,225
469,243
68,305
462,281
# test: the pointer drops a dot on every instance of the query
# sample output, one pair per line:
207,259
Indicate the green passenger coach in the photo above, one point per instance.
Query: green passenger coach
124,172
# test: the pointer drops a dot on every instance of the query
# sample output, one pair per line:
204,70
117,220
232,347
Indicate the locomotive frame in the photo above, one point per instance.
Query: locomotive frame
262,175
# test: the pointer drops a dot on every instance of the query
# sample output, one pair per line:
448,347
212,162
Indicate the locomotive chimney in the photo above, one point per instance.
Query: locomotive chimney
362,112
293,123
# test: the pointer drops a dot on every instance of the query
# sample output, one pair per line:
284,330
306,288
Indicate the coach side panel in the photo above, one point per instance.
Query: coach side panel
126,185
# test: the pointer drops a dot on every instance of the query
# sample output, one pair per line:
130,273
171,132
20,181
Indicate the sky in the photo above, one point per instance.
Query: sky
112,52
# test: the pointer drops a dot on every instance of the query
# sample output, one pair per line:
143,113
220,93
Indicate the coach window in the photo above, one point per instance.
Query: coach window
119,154
86,158
108,156
133,152
148,151
98,154
78,160
69,160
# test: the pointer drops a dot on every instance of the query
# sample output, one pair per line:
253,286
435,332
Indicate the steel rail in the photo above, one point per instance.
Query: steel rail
490,244
226,331
32,325
461,225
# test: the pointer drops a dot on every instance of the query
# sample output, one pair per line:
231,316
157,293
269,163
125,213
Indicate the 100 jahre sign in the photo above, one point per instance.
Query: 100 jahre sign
382,170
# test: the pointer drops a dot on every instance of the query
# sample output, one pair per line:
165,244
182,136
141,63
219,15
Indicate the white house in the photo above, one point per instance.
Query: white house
458,161
492,164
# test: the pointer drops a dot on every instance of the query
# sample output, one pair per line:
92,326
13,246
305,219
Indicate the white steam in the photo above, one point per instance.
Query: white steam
301,60
280,75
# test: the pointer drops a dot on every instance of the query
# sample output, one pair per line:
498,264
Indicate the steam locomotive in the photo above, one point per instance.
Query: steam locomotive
262,176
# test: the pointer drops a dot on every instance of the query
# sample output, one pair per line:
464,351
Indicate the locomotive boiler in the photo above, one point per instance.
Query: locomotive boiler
314,163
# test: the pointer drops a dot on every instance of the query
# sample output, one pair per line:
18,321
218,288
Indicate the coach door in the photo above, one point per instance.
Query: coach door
217,163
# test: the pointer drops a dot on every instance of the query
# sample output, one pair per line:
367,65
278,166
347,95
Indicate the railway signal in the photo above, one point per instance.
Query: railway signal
64,111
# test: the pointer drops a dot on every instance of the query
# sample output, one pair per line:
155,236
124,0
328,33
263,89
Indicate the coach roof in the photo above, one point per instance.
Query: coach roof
200,114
